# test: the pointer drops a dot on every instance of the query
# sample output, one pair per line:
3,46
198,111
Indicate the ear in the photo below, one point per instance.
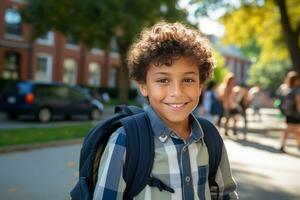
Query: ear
143,89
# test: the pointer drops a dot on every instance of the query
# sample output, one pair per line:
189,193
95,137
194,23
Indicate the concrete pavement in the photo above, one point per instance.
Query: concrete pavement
262,173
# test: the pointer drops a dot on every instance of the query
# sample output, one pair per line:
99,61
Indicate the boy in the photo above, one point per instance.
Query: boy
170,62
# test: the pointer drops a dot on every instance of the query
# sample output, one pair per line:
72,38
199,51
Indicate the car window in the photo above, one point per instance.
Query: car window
17,88
76,94
24,88
60,91
42,90
10,89
53,91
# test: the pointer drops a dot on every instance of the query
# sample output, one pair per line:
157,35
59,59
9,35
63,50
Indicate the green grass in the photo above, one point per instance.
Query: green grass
43,135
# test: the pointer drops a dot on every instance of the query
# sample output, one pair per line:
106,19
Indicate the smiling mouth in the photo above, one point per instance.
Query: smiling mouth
176,105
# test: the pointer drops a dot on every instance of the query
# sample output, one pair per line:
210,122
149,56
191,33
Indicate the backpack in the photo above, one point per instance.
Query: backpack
140,153
288,104
216,107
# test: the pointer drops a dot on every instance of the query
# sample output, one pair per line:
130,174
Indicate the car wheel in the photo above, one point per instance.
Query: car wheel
95,114
67,117
44,115
12,116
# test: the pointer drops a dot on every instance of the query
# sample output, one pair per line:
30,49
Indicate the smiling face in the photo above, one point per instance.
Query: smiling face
173,91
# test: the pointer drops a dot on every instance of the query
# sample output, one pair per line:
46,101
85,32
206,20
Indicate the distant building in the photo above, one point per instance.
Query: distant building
235,61
52,57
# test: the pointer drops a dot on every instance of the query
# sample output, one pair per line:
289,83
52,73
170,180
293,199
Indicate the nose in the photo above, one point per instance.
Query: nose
177,89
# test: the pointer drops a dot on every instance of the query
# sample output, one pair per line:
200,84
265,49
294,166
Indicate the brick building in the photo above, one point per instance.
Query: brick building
52,57
236,63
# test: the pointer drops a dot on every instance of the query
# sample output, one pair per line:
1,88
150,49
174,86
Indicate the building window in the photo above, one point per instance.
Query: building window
19,1
13,22
230,64
97,51
114,45
72,43
70,71
112,77
46,39
238,72
11,66
43,68
94,74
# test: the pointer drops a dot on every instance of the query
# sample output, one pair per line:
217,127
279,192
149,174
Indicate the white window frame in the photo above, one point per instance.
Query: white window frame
71,46
19,1
97,51
49,41
49,66
99,69
12,36
112,77
114,55
238,71
74,78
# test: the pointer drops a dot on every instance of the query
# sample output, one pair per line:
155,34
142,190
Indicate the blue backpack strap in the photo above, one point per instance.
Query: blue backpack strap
139,153
93,146
214,143
129,110
139,156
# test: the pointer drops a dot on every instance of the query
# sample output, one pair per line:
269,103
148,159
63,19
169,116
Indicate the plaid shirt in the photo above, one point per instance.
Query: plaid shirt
182,165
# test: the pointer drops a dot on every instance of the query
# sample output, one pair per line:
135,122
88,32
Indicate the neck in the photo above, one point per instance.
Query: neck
182,129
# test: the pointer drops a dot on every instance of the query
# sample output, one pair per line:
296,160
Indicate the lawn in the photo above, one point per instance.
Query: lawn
43,135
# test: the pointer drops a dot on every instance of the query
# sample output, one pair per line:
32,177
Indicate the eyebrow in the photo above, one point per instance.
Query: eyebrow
192,72
166,73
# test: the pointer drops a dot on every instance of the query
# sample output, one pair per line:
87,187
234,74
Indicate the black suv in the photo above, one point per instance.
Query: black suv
47,99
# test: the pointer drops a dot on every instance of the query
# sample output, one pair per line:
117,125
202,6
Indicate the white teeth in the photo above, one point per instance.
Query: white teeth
176,105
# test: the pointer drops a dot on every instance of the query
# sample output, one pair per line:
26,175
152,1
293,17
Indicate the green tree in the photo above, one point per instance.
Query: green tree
273,24
269,76
96,22
220,71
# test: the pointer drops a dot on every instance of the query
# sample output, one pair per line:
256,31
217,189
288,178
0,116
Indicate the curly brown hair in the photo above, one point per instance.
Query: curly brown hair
165,42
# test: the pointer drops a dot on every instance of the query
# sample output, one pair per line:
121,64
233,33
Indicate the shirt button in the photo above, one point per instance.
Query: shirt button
187,179
163,136
184,149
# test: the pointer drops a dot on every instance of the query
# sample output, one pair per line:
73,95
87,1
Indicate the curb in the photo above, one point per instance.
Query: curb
29,147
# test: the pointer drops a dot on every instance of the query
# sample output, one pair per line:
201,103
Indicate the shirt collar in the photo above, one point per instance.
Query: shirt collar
162,132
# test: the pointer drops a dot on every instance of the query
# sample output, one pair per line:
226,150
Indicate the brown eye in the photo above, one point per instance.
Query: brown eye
188,80
162,80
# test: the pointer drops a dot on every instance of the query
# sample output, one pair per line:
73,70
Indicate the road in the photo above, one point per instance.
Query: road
28,121
262,173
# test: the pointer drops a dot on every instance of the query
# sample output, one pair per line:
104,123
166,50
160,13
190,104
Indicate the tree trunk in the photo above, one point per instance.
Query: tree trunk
291,37
106,66
123,83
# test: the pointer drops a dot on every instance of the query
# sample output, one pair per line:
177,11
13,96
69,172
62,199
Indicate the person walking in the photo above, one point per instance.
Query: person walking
290,107
213,108
256,99
229,101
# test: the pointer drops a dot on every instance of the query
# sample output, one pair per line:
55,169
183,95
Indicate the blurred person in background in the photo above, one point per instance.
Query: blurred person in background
229,101
199,111
212,105
256,99
290,107
242,97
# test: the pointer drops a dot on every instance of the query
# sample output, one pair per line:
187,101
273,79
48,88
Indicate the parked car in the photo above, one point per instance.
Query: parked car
44,100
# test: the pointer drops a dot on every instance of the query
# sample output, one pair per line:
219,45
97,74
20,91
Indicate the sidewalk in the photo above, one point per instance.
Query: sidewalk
261,171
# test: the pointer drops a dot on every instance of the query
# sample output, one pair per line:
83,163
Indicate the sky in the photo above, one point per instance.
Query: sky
208,25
